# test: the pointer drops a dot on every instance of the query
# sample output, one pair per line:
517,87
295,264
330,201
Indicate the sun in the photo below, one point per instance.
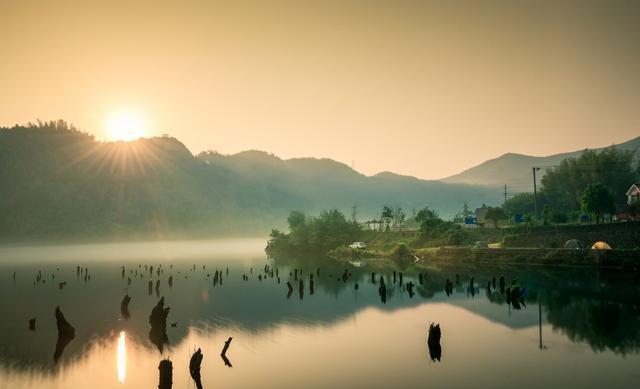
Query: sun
125,126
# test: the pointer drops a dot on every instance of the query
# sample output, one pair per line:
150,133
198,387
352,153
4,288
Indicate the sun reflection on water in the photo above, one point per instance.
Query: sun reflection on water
121,358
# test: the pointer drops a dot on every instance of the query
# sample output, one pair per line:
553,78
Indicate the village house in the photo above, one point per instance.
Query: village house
633,194
481,213
633,200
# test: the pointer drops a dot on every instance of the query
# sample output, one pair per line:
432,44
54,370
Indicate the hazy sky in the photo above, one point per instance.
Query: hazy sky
415,87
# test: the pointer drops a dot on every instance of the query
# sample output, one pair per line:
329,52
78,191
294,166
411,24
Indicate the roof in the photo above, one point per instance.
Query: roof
637,186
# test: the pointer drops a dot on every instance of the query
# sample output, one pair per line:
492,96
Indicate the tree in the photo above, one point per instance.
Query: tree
428,219
597,199
330,230
437,230
298,232
466,212
495,214
522,204
295,219
398,217
387,215
426,214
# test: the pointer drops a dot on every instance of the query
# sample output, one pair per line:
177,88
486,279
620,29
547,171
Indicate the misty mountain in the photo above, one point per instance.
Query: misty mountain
60,183
515,169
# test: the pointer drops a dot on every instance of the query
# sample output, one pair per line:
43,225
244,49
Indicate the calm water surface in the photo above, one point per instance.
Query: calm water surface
574,328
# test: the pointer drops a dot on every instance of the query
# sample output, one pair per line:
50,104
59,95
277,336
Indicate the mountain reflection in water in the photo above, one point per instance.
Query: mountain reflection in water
578,326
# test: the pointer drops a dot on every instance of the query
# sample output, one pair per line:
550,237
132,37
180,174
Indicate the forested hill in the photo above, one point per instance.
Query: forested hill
59,183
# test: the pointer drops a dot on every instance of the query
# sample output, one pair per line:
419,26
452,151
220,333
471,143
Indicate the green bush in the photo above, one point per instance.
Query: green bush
455,236
401,252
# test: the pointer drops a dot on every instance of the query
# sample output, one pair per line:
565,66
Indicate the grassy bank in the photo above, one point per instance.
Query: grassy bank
330,233
497,246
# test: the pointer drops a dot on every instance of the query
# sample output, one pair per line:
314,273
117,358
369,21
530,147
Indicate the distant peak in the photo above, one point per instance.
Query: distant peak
254,152
508,155
392,175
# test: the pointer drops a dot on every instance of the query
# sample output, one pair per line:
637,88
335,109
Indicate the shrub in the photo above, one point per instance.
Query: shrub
401,252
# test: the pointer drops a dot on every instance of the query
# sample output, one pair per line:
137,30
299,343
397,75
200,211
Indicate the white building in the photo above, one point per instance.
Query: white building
633,194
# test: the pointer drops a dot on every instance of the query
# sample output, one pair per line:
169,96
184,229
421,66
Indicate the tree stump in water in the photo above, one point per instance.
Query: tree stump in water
124,307
382,290
166,374
64,328
66,333
410,286
194,367
434,334
158,321
223,354
290,287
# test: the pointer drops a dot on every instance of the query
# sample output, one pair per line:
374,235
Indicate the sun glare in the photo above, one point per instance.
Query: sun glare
121,359
125,126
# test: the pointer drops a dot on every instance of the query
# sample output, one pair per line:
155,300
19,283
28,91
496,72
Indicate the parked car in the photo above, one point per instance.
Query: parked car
358,245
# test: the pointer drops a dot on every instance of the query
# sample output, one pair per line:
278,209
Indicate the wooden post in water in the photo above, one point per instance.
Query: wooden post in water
223,354
166,374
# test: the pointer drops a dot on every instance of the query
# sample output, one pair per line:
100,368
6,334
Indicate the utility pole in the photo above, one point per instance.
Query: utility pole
354,210
505,196
540,322
535,193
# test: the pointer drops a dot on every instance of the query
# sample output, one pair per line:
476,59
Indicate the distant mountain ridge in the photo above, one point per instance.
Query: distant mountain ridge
515,169
323,183
59,183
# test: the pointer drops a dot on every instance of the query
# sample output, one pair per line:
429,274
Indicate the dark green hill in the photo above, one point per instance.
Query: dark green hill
58,183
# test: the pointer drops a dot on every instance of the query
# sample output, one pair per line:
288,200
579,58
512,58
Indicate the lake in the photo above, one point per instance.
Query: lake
567,327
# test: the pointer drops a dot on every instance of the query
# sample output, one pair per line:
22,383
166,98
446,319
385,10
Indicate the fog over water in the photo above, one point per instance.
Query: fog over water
156,251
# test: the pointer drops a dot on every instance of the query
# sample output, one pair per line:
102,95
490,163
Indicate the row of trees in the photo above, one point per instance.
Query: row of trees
316,235
320,234
594,183
390,219
563,186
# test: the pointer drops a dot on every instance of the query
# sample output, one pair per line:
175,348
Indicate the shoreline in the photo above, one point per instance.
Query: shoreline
552,257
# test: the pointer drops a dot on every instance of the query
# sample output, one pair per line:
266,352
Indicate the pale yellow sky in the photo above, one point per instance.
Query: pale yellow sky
415,87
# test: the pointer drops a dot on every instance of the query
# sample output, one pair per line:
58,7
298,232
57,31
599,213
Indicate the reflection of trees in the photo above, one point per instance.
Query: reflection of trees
596,307
604,325
427,291
599,308
330,273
